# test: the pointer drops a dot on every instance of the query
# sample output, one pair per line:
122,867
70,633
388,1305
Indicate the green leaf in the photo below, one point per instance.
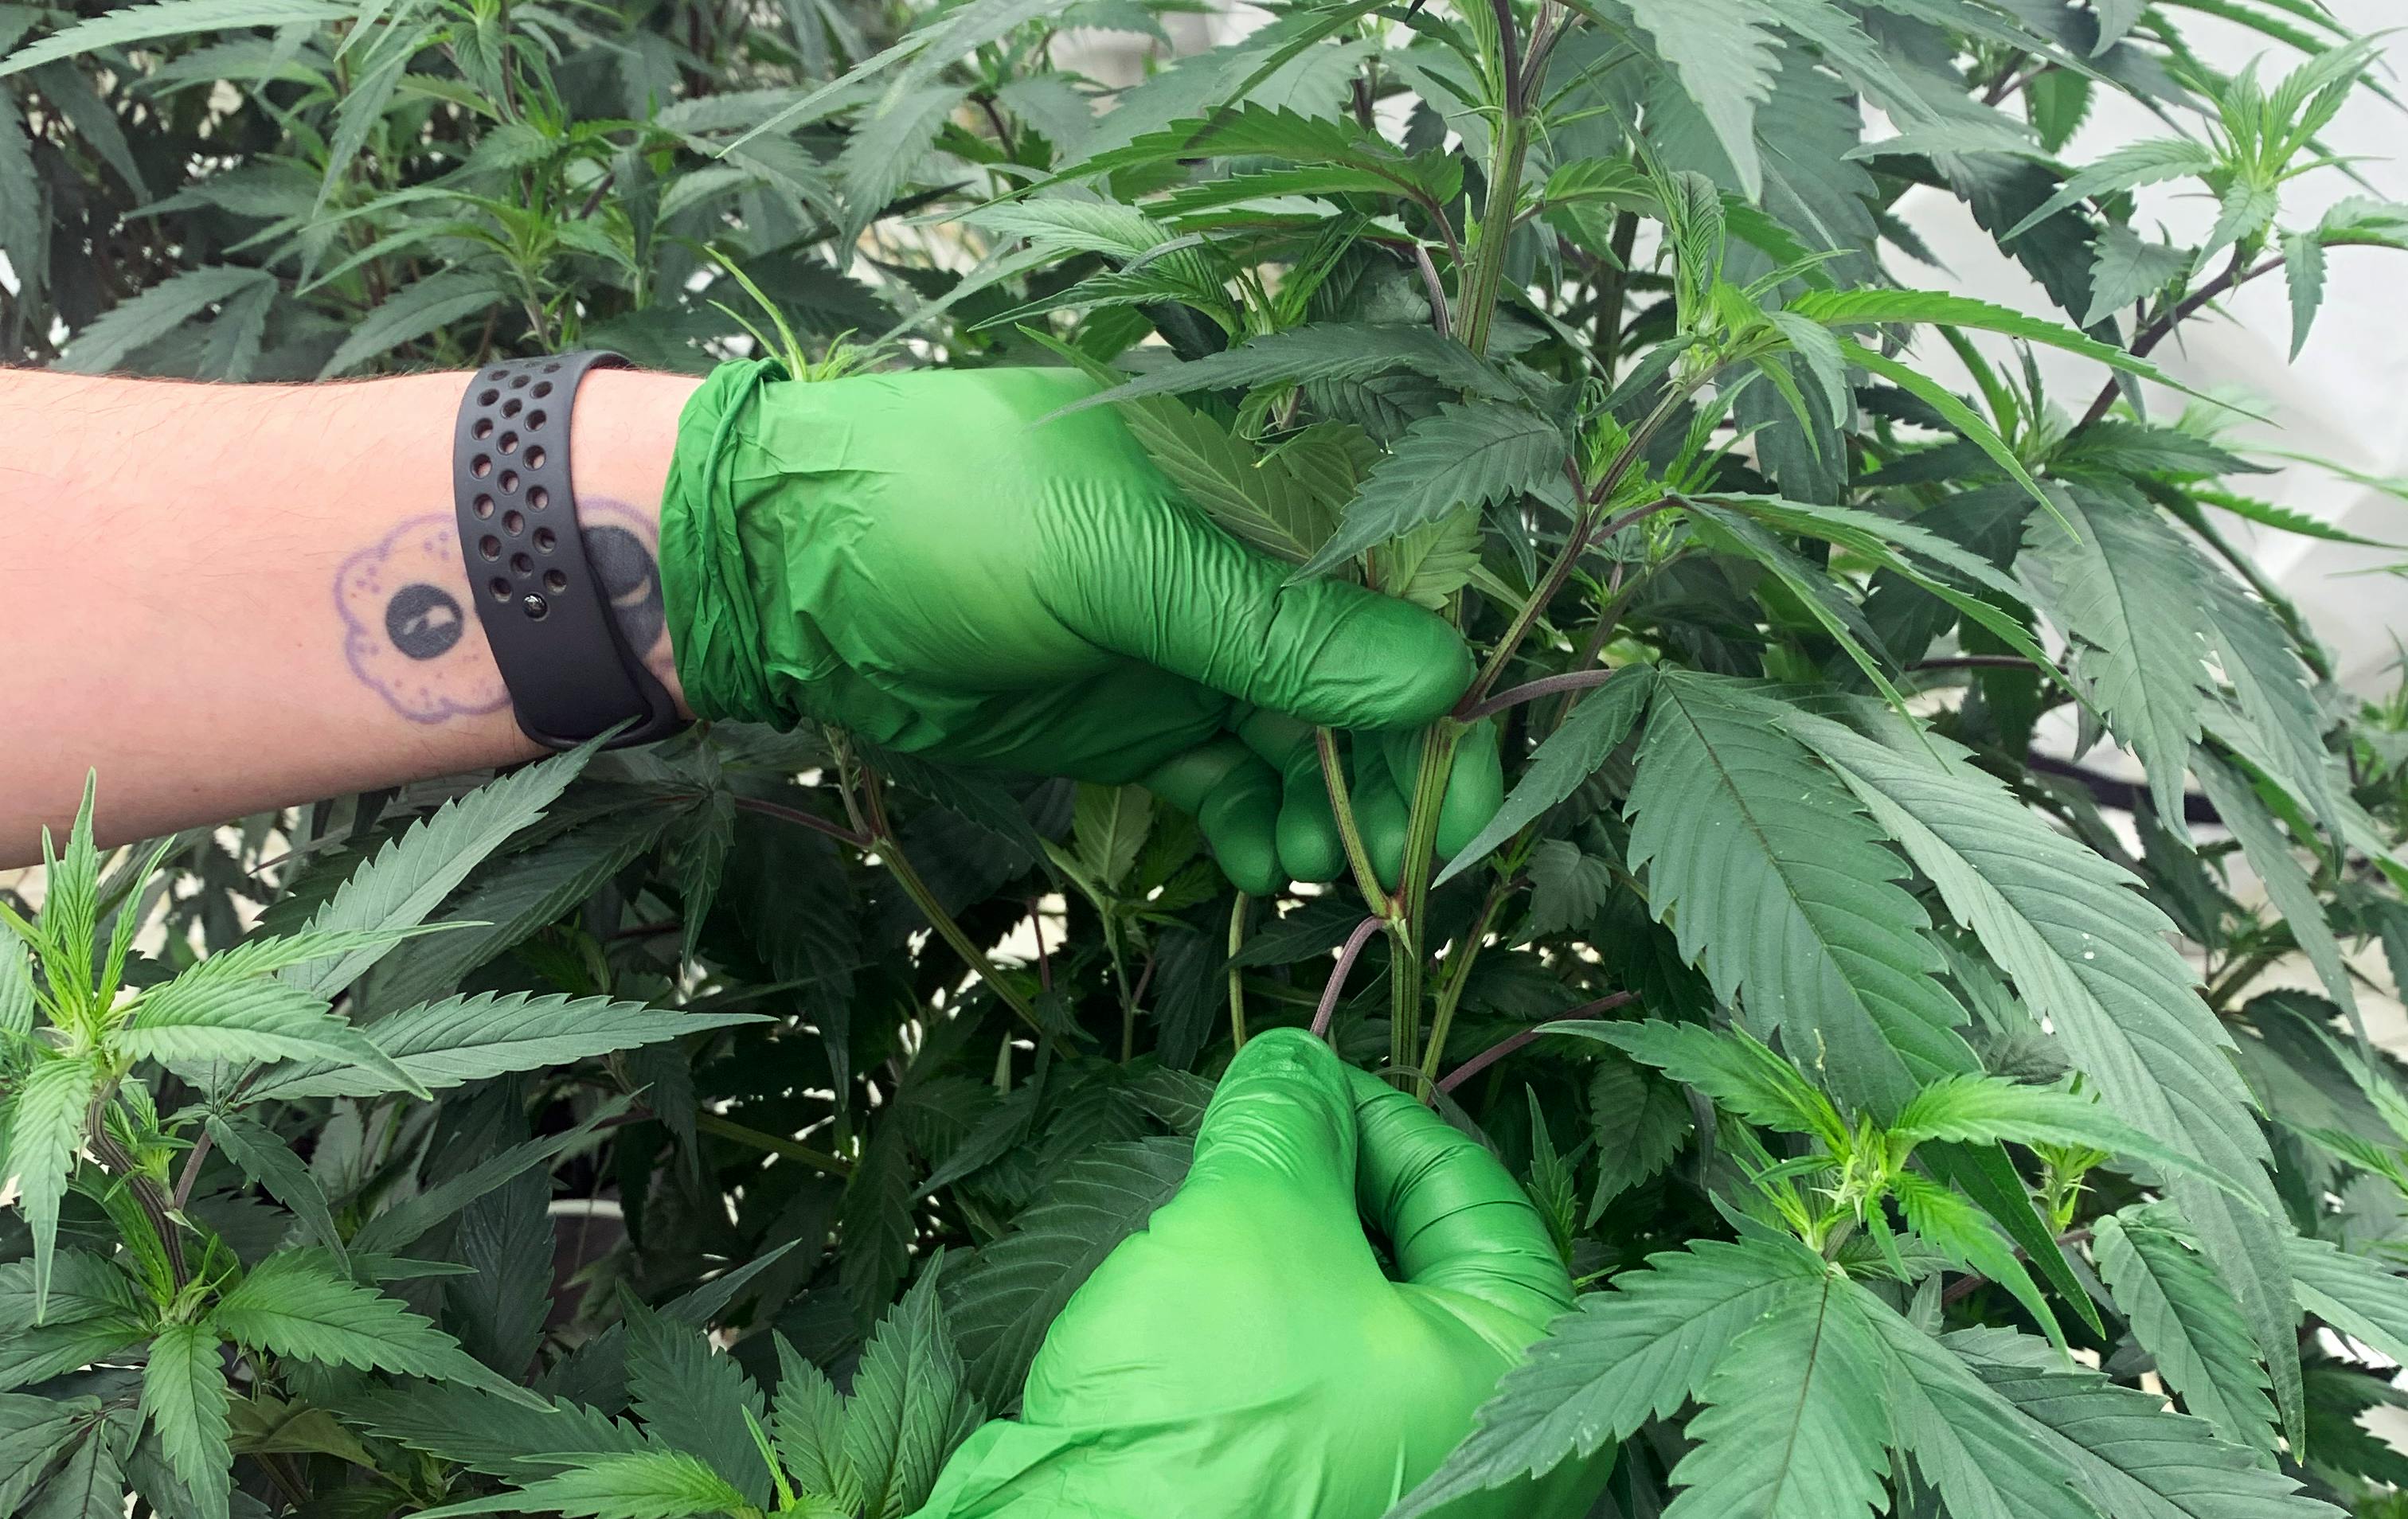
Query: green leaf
1431,563
2289,887
1567,887
513,898
169,19
1570,755
269,1161
809,1420
468,1039
693,1398
2127,589
1951,409
1325,351
2129,270
2130,1457
293,1304
1725,54
911,1403
1467,455
184,1398
1970,1443
1003,1302
50,1350
499,1436
198,1018
403,1224
24,235
2356,1296
1108,826
33,1430
1638,1123
2183,1317
1259,499
82,1286
1740,1075
46,1130
154,313
2129,167
1795,1418
2090,955
2303,270
642,1484
412,875
92,1485
1959,1230
417,310
1852,308
1977,1108
1777,884
1638,1352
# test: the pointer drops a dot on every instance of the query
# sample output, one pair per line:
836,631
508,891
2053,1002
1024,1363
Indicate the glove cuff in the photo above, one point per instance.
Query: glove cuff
706,579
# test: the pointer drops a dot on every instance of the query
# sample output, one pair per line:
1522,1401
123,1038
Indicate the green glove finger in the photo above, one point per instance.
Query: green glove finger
1382,802
1475,783
1280,1130
1457,1221
1164,585
1235,798
1307,830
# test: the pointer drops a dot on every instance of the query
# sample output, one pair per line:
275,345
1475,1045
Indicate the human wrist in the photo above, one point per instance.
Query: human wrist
622,432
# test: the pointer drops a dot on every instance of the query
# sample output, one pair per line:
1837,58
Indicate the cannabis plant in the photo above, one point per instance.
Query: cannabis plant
1935,1123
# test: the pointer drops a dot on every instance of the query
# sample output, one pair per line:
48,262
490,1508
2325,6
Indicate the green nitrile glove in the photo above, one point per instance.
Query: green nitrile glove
919,559
1245,1356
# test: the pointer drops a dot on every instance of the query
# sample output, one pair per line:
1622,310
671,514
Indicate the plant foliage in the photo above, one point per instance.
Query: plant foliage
588,1139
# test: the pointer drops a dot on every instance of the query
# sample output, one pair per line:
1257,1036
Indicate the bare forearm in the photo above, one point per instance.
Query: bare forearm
231,598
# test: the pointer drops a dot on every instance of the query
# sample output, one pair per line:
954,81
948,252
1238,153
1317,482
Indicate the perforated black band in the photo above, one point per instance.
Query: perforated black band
546,614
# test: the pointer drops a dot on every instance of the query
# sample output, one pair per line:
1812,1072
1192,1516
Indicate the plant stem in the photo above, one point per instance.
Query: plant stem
1506,1046
813,821
1581,680
819,1160
1476,297
1458,975
890,849
1354,943
1237,975
2232,279
1333,774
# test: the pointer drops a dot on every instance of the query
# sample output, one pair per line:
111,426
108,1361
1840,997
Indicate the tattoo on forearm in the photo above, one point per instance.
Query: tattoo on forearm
412,638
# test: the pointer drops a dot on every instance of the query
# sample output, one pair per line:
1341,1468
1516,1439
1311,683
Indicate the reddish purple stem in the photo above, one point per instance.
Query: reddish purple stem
1532,690
1506,1046
1354,943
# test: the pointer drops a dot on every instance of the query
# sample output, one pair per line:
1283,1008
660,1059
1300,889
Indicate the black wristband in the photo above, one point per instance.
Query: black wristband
546,615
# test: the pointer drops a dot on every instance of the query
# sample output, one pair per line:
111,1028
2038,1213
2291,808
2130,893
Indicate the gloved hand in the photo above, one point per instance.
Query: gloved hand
916,558
1245,1357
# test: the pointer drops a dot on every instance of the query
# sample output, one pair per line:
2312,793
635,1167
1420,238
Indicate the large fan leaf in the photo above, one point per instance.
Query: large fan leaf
2129,1456
2182,1316
1467,455
1795,1418
184,1397
2127,589
467,1039
1636,1353
1778,885
410,875
2090,955
294,1305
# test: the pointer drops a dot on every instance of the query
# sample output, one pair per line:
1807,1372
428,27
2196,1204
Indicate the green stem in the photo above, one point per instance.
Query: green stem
819,1160
1449,992
1333,774
890,849
1485,282
1237,975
